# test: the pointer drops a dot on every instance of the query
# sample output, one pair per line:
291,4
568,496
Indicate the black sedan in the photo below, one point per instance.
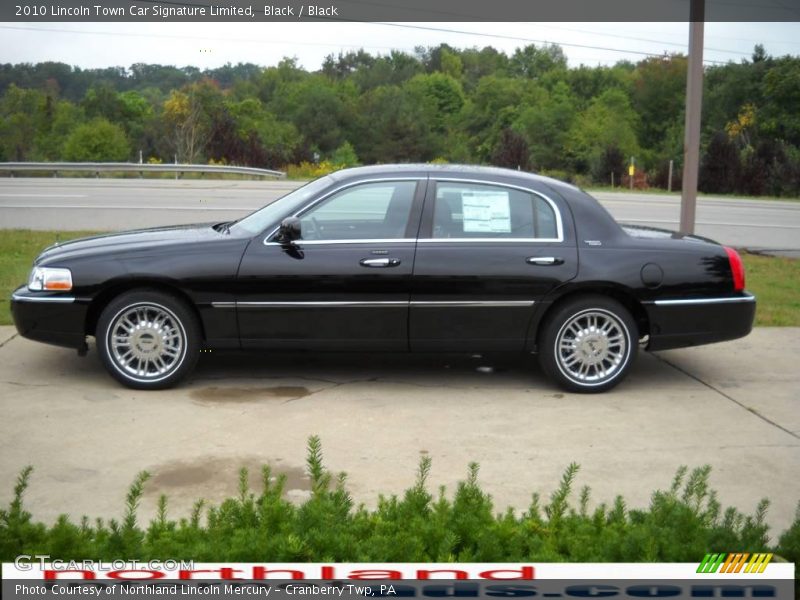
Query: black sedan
420,258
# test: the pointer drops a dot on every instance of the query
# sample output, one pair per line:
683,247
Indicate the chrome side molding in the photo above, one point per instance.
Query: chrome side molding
376,304
687,301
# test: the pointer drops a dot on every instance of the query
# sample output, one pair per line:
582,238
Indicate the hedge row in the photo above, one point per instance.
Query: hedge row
680,525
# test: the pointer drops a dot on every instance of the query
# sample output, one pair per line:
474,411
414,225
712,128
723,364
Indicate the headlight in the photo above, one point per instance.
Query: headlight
51,279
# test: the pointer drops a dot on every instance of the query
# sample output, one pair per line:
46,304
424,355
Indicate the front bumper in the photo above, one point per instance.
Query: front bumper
52,318
696,321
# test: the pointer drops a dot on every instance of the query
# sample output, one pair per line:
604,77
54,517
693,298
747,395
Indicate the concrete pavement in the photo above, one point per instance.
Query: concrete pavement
733,405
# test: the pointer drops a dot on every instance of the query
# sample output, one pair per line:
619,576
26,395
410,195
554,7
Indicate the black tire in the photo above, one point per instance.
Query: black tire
148,339
588,344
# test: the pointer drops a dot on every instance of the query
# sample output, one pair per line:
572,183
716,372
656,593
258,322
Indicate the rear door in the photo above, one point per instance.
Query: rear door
487,253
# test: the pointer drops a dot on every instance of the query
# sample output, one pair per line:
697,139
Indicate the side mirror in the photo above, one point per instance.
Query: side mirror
289,231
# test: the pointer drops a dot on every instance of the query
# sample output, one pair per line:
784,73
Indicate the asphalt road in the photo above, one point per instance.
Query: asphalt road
733,406
113,204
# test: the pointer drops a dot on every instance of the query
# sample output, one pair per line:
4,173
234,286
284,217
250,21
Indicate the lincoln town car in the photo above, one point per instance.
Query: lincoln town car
397,258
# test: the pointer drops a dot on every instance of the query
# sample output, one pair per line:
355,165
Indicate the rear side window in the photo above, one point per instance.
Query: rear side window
478,211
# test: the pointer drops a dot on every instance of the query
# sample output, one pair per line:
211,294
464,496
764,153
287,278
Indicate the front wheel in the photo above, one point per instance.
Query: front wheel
148,339
588,344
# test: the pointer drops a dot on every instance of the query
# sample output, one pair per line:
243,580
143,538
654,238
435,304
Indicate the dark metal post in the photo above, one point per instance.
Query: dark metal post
669,177
694,104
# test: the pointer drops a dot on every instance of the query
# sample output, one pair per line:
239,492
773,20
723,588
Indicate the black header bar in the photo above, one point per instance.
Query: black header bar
394,10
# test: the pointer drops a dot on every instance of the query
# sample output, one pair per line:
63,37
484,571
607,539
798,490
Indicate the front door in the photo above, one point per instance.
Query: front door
346,284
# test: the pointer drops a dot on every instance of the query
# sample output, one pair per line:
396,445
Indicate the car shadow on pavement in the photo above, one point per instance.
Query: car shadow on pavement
27,364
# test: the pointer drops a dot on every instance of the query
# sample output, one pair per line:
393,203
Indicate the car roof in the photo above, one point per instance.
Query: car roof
447,169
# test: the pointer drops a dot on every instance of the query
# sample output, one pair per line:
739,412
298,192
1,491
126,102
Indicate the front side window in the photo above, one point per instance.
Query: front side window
371,211
467,210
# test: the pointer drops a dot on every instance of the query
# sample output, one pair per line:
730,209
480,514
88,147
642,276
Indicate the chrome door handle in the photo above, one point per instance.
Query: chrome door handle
544,260
379,262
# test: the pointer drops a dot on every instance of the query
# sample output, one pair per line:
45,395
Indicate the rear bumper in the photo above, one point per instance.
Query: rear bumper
696,321
55,319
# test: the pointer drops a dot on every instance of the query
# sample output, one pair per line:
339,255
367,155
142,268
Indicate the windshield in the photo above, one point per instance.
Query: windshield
285,206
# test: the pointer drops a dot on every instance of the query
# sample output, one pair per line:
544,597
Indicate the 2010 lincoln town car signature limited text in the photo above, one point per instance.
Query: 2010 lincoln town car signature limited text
394,258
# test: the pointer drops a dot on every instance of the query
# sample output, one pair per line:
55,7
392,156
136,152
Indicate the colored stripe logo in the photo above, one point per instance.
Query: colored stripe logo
736,562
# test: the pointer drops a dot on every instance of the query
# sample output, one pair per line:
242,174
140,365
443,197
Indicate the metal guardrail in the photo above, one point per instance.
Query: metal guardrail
140,168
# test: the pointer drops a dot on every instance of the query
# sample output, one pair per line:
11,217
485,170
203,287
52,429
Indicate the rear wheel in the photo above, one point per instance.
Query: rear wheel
148,339
588,344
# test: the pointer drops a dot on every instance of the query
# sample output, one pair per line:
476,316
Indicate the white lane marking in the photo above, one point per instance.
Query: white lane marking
43,195
139,207
717,204
668,222
786,206
125,207
251,208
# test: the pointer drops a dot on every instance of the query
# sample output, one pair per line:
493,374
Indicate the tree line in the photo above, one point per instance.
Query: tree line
525,110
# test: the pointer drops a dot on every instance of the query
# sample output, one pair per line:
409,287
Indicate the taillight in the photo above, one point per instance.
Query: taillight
737,268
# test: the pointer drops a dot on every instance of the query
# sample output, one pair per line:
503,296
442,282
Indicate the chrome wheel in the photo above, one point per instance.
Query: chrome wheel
146,341
592,347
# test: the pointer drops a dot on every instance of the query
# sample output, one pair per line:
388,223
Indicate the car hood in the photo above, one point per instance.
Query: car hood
131,240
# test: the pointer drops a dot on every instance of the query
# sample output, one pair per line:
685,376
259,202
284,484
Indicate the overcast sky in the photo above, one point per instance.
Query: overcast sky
214,44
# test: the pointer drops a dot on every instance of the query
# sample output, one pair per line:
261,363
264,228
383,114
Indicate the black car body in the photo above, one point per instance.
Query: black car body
393,258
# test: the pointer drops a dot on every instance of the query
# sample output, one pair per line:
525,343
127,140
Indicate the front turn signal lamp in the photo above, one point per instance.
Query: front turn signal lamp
50,279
